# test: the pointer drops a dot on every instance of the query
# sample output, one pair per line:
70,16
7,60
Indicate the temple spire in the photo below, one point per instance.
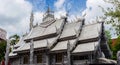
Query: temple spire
48,10
48,15
31,20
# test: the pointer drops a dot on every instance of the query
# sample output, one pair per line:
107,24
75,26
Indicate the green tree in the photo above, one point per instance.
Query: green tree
14,39
113,13
116,47
108,35
112,16
2,49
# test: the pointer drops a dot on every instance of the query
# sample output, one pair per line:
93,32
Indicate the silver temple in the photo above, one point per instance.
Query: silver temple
59,42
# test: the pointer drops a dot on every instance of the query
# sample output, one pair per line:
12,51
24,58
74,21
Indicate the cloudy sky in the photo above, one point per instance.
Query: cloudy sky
15,14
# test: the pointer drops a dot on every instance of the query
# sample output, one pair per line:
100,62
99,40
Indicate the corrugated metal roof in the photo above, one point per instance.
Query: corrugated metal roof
26,46
37,44
35,32
85,47
62,45
47,23
12,54
41,31
71,29
90,31
51,41
40,44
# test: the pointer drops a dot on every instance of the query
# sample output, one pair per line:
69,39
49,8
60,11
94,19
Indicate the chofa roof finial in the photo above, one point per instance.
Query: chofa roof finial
31,20
48,10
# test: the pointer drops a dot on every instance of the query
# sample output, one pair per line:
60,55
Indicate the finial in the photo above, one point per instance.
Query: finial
47,14
31,20
32,17
48,10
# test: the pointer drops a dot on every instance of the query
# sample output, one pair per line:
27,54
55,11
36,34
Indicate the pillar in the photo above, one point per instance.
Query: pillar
68,54
47,59
31,52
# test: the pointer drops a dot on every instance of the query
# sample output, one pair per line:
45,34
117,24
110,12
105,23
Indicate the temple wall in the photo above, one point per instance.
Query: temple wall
58,60
23,59
14,61
80,62
50,59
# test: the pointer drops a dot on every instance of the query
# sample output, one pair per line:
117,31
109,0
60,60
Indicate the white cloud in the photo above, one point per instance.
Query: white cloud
93,10
38,17
60,9
60,13
59,3
14,16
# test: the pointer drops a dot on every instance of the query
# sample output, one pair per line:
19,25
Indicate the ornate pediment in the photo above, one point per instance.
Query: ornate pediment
48,18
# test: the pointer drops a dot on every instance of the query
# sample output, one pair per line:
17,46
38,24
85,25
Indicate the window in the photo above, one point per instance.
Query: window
59,58
80,57
39,58
25,60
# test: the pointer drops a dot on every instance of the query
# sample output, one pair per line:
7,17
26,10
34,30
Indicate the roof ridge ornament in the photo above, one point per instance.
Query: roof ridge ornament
56,28
68,44
76,32
48,15
47,43
31,20
48,12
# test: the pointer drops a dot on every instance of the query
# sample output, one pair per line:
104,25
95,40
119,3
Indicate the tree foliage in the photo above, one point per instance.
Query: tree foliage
112,16
109,38
113,13
2,49
14,39
116,47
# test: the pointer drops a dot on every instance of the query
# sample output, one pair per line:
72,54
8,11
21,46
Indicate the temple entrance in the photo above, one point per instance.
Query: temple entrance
81,59
57,59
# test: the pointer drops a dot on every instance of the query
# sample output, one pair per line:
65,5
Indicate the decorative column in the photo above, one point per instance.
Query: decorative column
31,52
47,59
35,59
65,59
31,21
91,58
53,60
7,52
21,59
68,53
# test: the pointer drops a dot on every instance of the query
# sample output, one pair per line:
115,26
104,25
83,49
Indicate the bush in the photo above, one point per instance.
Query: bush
2,49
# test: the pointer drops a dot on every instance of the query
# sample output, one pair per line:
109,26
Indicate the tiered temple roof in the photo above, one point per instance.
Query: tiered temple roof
55,34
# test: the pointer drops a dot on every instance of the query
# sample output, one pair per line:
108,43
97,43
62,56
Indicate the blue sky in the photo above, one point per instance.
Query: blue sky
15,14
74,6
